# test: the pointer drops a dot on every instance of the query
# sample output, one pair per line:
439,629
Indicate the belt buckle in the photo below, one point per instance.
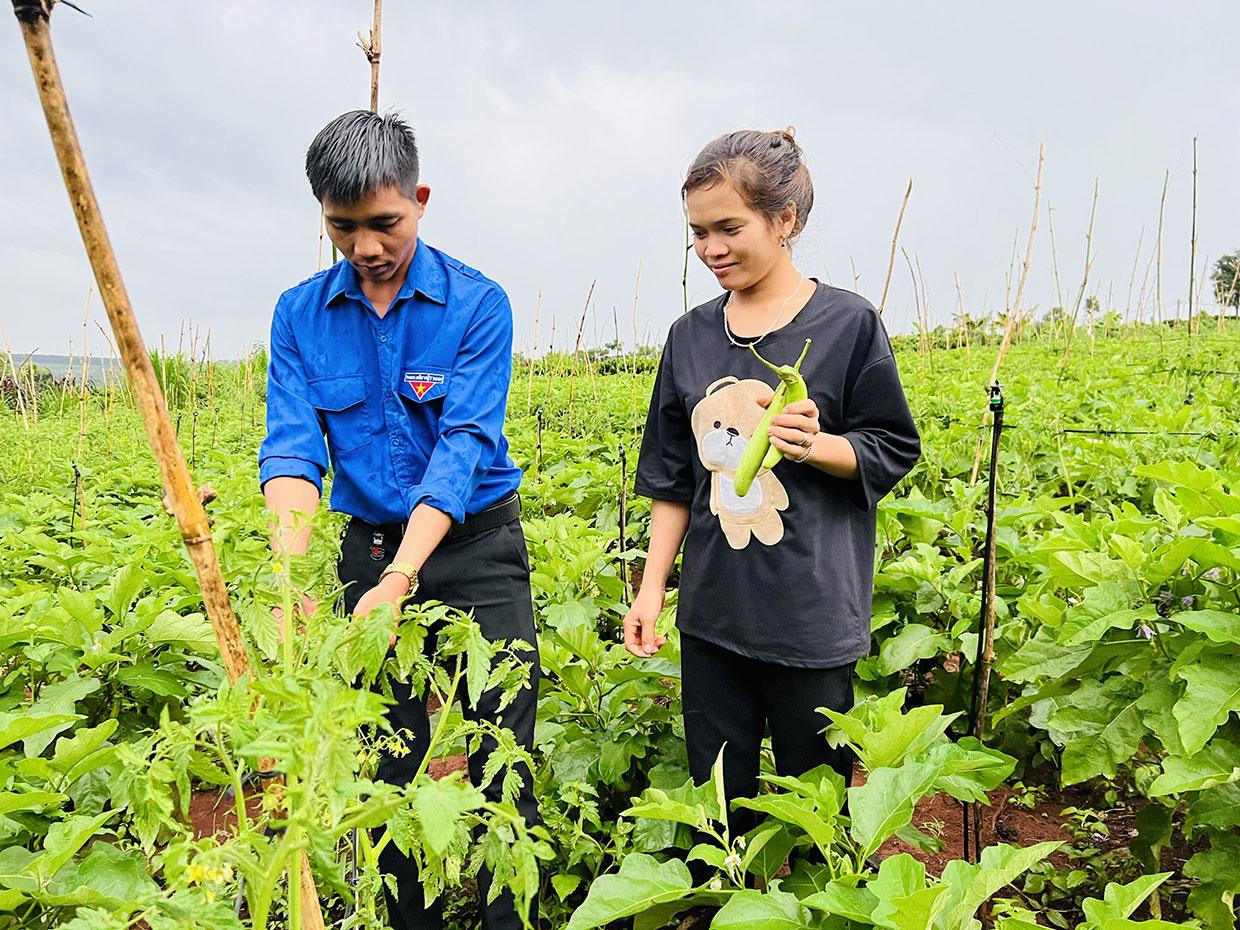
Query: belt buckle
377,548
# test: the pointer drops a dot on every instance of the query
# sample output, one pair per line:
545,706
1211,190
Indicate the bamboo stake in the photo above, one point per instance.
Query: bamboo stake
1158,300
1050,228
1020,294
1192,254
1080,294
1132,280
180,496
891,262
372,48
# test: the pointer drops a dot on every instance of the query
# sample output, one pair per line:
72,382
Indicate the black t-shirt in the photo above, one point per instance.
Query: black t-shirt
785,574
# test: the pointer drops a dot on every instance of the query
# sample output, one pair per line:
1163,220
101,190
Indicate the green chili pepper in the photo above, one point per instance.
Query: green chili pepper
759,453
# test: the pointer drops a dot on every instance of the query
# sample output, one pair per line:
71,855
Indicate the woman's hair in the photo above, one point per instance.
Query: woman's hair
767,168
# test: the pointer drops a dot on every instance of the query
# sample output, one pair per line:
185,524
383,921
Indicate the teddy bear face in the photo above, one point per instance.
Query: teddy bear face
724,420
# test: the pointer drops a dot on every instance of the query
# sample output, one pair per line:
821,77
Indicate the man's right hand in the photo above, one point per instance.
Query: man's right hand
639,624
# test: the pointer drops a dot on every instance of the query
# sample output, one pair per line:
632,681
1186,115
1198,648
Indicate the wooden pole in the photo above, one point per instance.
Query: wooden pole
1080,294
895,238
180,496
372,47
1020,295
1192,254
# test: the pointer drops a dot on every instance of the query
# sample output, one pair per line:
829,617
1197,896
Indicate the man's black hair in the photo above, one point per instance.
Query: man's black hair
360,152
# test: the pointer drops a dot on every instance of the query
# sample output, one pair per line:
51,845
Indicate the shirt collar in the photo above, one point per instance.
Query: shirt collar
425,277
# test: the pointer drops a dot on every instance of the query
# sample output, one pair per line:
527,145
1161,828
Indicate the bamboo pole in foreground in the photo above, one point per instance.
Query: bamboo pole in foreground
180,496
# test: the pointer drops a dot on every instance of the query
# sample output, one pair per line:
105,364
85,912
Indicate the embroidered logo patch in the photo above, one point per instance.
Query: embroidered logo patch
422,381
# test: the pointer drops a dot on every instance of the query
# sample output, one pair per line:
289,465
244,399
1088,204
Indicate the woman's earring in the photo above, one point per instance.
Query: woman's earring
783,242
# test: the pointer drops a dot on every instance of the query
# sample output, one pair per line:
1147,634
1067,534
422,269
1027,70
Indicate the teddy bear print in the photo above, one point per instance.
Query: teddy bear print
722,423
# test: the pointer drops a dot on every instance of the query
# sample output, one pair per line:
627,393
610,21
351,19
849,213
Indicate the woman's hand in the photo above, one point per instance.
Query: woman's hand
797,434
639,635
794,429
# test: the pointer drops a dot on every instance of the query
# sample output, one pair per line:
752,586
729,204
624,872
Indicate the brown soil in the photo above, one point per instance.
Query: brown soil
212,812
940,816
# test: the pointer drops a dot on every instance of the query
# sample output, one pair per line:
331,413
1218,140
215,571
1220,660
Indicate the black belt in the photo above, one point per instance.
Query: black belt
505,511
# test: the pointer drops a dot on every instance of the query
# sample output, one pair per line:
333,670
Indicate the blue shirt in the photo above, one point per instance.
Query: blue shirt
411,404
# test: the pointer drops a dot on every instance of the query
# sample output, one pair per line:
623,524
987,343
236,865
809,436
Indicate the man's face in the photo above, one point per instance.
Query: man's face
378,234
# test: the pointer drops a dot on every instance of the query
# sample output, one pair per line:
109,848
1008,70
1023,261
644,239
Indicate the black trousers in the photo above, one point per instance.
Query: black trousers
731,699
488,572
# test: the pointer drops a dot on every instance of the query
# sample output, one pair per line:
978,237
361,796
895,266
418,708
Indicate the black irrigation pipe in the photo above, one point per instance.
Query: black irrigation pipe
981,665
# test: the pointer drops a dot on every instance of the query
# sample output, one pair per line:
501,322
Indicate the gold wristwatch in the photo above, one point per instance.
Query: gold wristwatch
403,568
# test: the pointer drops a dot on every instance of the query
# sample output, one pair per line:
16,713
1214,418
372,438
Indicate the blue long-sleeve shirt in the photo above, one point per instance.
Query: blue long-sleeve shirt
411,405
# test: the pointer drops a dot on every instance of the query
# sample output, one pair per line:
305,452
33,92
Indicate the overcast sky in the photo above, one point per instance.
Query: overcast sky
555,137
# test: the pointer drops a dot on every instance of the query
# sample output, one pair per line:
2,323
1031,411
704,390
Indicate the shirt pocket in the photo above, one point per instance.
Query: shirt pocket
424,383
341,402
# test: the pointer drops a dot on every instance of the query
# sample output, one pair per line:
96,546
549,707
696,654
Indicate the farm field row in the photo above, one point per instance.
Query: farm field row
1113,704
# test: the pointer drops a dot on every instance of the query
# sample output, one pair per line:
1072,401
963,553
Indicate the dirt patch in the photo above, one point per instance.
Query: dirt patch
214,813
1001,822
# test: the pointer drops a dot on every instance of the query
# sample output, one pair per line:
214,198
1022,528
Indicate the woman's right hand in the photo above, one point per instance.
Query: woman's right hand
639,623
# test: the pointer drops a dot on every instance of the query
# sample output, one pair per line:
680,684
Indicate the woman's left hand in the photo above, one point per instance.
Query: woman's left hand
391,589
795,428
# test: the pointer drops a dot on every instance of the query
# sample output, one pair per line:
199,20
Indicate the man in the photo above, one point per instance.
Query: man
400,357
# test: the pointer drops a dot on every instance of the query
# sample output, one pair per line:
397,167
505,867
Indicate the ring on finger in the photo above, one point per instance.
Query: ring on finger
806,440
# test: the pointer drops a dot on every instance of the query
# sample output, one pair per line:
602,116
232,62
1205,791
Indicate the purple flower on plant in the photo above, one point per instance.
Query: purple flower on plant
1145,632
1166,596
1186,600
1215,574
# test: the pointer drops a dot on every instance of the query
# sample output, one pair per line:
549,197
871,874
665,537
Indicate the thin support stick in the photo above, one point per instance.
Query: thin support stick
891,262
1020,294
1192,253
372,48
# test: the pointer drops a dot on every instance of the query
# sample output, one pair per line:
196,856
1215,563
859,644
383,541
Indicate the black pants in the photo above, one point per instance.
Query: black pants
730,698
487,572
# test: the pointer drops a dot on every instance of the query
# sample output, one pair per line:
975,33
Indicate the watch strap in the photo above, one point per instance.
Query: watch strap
403,568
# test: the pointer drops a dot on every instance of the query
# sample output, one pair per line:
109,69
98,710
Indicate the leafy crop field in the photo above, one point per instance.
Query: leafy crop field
1108,785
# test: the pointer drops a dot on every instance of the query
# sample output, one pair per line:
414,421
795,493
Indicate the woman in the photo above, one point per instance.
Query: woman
775,586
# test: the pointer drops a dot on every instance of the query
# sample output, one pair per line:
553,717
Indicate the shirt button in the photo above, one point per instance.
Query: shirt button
383,338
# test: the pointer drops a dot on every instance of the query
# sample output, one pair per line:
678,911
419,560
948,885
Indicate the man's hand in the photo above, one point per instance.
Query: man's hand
639,635
307,606
391,589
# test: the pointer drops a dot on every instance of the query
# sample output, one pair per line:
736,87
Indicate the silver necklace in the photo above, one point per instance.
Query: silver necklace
727,331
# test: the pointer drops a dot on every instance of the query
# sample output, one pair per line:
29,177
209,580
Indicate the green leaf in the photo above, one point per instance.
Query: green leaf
973,884
844,900
884,804
16,727
126,585
1212,693
565,884
641,883
438,807
755,910
65,838
768,849
882,735
799,812
1216,808
17,869
148,676
13,801
59,698
1216,764
192,630
1104,725
914,641
1218,626
112,877
70,750
1119,901
1073,569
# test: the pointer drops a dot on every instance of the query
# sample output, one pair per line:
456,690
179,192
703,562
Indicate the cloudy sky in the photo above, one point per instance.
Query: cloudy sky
555,136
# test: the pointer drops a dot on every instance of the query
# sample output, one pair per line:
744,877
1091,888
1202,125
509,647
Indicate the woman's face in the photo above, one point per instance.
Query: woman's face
737,243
